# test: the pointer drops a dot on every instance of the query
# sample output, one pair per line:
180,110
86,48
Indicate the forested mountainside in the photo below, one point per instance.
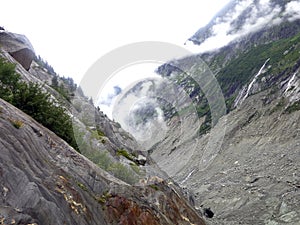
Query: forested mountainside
63,161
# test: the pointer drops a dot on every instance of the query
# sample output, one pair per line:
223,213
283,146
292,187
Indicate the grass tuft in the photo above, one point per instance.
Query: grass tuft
17,123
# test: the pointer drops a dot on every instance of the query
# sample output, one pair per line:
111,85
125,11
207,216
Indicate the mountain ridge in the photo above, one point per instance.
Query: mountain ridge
45,181
244,165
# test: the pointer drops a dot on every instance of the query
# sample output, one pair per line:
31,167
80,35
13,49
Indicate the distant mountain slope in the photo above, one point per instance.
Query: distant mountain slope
248,175
244,164
45,181
237,65
243,17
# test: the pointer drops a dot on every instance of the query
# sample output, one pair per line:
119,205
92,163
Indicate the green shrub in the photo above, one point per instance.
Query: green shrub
31,99
100,132
97,134
126,154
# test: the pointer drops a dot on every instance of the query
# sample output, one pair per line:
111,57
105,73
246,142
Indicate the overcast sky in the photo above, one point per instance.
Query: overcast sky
72,35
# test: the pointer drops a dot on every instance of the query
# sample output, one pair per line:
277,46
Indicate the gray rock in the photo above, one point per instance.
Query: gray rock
263,187
44,181
19,47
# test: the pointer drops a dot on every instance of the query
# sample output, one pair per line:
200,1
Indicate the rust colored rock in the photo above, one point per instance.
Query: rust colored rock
127,212
45,181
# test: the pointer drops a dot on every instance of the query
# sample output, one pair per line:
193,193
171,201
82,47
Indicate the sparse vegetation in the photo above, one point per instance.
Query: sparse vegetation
123,172
97,134
204,128
66,87
126,154
44,64
100,132
103,198
241,69
104,161
279,106
135,168
82,186
16,123
31,99
294,107
236,72
153,186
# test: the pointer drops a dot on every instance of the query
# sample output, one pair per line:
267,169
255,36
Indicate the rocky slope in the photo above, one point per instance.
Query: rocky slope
253,177
245,166
45,181
241,162
93,131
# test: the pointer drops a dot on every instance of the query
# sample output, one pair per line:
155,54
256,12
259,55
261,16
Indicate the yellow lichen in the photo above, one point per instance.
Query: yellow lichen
187,219
77,207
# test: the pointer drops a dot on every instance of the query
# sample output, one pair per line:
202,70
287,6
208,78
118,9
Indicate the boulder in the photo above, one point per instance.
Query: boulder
141,160
19,47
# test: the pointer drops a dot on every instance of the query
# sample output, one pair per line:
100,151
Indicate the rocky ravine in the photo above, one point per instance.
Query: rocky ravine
44,181
254,177
251,175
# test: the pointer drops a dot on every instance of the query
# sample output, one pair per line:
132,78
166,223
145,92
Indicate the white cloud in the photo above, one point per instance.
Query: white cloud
260,15
293,10
71,35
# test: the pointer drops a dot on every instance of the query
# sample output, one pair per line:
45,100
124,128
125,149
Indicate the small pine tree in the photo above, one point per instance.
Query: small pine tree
54,81
31,99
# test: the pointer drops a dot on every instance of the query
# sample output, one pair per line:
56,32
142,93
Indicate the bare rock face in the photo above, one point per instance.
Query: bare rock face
45,181
19,47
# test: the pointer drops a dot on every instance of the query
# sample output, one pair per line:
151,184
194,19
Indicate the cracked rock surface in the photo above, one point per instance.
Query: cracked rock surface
44,181
254,177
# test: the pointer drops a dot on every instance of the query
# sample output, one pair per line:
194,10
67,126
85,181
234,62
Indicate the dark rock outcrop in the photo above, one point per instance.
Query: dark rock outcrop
19,47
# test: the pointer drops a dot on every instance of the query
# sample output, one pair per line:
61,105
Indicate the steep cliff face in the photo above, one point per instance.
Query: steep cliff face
95,134
45,181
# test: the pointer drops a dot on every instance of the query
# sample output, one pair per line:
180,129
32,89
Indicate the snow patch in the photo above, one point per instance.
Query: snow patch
188,176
